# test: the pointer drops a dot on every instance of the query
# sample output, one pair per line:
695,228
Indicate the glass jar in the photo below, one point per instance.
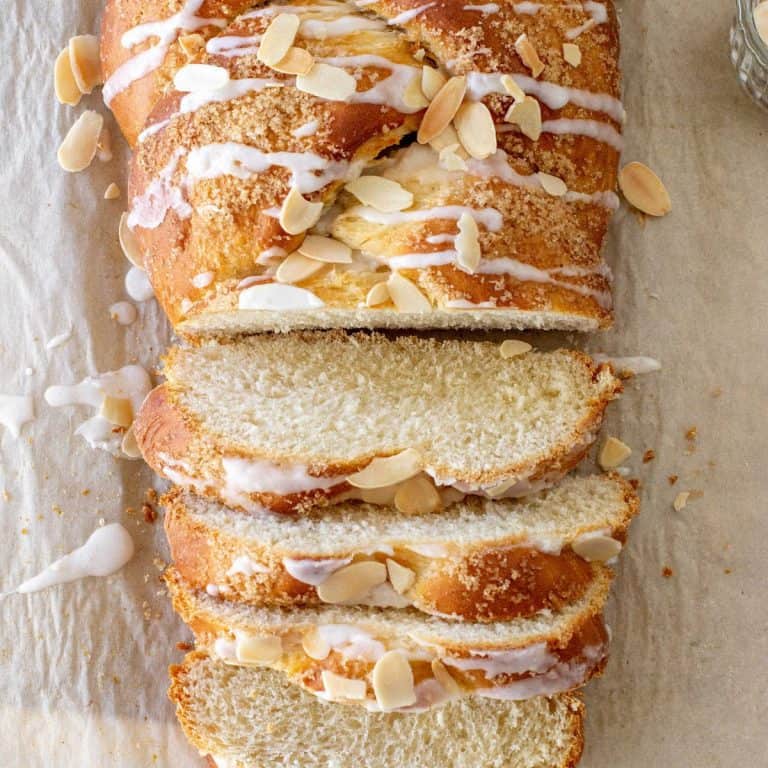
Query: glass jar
749,53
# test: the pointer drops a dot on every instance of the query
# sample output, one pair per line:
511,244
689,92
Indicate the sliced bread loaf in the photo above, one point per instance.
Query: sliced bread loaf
287,422
254,718
478,559
356,655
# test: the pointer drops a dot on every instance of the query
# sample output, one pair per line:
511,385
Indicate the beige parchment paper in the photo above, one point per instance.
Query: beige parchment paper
83,666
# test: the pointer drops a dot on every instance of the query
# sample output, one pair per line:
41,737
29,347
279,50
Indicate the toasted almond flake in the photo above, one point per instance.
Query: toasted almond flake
442,109
353,582
64,82
392,680
258,649
200,77
192,45
297,215
129,446
117,411
112,192
514,347
528,54
406,295
382,194
572,54
468,243
420,54
384,497
104,146
477,133
278,37
85,62
385,471
443,676
413,96
130,243
499,490
527,115
450,160
596,548
315,645
296,62
760,15
400,577
644,189
327,82
447,138
417,496
295,268
681,500
552,185
79,146
432,80
613,453
512,88
325,249
379,294
338,687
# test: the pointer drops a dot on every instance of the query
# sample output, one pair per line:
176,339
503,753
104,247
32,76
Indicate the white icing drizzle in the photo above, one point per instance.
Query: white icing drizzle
351,642
137,284
149,209
278,297
320,29
203,280
409,15
167,31
307,129
230,46
594,129
244,476
434,550
314,572
246,566
486,8
526,8
15,412
637,365
273,10
490,218
531,658
107,550
469,305
131,382
598,14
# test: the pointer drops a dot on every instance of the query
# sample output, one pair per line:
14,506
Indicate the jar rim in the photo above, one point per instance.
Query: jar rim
757,46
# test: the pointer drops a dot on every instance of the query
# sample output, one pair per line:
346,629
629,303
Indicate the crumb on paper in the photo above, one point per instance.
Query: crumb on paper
6,494
150,515
691,434
85,492
681,500
727,571
159,564
649,455
634,482
24,531
57,509
151,496
667,572
717,392
183,646
672,479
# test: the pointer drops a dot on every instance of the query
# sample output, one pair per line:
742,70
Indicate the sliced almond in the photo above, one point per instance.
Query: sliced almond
681,500
278,37
392,680
477,133
572,54
447,138
512,88
297,215
192,45
514,347
383,497
413,96
400,577
79,146
501,489
432,80
129,446
315,645
552,185
327,82
130,243
295,268
613,453
443,676
353,582
382,194
200,77
258,649
379,294
338,687
527,52
112,192
64,82
296,62
442,109
417,496
527,115
760,15
325,249
104,146
117,411
468,244
644,190
596,548
384,471
450,160
406,295
85,62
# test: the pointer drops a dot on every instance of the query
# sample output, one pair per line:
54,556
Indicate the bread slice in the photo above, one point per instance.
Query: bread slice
545,654
283,422
478,559
254,718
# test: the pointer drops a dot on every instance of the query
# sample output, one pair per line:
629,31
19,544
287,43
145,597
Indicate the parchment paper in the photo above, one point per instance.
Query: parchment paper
83,666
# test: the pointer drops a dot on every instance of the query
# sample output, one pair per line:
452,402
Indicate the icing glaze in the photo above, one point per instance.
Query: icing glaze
314,572
15,412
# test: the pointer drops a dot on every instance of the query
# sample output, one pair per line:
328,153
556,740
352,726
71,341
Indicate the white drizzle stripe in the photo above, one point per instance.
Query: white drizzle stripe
490,218
409,15
597,15
320,29
487,8
167,31
230,46
594,129
149,209
526,8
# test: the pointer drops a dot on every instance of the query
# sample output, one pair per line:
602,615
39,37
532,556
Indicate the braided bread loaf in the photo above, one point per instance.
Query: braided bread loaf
324,164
